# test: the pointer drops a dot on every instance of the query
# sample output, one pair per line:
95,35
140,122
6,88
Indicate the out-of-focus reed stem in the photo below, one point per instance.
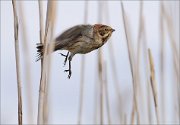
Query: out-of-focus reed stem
176,56
113,64
96,98
100,9
142,48
17,56
82,72
106,93
101,86
131,60
162,60
153,84
137,68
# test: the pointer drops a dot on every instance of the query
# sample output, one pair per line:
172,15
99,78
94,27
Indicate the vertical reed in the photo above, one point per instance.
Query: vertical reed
52,14
162,61
17,56
113,64
142,48
175,50
82,72
42,81
131,61
100,9
106,93
168,21
43,91
153,85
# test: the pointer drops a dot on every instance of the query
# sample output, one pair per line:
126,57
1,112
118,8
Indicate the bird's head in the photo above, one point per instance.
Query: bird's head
103,31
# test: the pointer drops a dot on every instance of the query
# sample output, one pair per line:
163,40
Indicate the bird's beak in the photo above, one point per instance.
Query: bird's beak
113,30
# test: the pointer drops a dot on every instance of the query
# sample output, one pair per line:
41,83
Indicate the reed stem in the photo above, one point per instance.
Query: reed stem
17,56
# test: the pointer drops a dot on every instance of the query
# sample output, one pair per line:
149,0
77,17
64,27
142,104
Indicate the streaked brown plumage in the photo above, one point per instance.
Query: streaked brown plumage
80,39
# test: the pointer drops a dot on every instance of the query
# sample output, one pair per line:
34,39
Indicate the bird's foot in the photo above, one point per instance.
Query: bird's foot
66,57
69,75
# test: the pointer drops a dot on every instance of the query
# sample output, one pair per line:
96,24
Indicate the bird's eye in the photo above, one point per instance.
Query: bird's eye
106,29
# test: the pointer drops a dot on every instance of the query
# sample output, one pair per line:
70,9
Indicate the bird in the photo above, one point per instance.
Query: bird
79,39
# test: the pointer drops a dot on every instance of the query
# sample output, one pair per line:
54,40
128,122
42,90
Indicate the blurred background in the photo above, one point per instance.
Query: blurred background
92,96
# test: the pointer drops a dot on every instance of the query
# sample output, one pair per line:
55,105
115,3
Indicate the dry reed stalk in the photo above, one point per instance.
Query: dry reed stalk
142,40
113,64
27,66
81,91
149,98
41,24
41,34
146,60
153,85
137,68
131,60
101,85
106,93
41,31
176,56
42,81
162,60
133,112
175,49
142,47
17,55
100,9
52,13
43,91
95,99
82,72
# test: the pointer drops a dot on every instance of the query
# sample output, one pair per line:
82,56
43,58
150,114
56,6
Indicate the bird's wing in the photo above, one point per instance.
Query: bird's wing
69,36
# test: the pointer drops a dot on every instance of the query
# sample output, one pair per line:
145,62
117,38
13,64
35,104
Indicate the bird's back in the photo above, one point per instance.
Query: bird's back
69,36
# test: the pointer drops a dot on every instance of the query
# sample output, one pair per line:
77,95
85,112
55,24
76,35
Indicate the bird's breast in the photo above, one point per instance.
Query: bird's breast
84,47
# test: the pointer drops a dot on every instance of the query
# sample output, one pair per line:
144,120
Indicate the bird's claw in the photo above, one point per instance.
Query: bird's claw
66,57
65,62
63,54
69,75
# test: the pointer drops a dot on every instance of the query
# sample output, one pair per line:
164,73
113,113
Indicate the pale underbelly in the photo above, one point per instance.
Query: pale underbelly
82,47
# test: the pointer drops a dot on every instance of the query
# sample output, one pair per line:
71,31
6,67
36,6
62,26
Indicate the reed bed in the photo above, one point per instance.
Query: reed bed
148,98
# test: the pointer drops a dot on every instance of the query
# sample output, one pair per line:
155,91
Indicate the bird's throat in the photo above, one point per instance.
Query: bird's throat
104,39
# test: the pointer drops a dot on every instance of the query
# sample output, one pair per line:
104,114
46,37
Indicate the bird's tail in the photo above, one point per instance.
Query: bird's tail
40,50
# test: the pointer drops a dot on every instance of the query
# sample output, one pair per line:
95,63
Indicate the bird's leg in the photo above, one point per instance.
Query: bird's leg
69,70
66,57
